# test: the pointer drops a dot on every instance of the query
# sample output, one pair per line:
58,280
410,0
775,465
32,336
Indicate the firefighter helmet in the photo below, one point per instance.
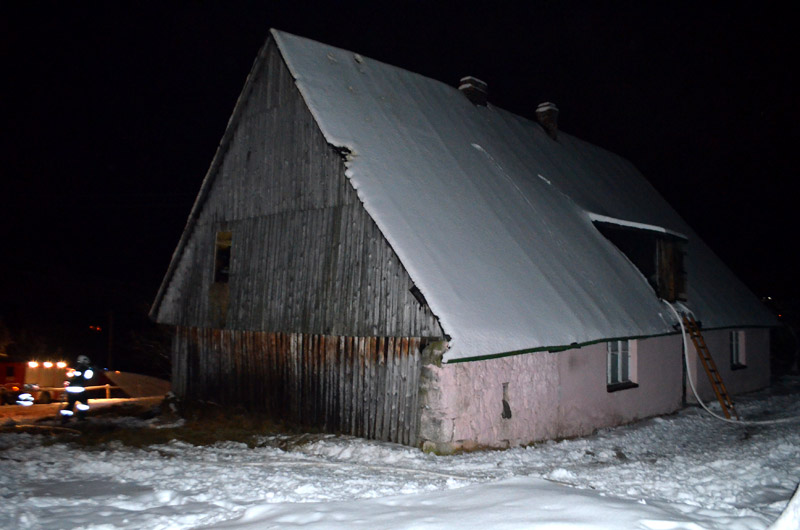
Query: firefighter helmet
82,359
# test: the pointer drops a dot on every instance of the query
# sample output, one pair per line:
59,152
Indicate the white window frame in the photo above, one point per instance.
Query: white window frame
620,364
737,349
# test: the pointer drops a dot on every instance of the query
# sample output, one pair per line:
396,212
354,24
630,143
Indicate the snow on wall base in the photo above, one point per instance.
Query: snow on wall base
521,399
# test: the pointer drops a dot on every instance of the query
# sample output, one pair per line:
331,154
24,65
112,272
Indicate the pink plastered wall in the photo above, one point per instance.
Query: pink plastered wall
549,394
585,402
754,375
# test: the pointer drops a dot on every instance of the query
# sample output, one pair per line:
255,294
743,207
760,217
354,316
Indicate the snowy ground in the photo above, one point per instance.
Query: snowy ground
682,471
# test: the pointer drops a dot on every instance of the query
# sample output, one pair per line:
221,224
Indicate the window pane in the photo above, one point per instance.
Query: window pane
623,365
737,359
613,367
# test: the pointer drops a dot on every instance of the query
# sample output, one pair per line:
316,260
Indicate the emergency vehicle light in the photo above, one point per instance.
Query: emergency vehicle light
33,364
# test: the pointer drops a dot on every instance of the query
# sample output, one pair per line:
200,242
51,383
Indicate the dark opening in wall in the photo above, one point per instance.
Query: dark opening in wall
506,414
659,256
219,291
222,261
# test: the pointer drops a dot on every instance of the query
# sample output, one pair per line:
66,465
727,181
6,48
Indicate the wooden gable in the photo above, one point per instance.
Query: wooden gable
300,252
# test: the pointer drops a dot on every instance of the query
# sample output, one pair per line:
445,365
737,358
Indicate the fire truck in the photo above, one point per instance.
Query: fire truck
44,381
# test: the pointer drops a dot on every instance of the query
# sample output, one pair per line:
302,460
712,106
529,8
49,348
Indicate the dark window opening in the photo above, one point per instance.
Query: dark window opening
658,256
506,414
222,260
10,372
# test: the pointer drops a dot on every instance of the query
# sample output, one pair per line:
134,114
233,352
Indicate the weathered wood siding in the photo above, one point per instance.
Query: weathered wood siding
365,386
305,257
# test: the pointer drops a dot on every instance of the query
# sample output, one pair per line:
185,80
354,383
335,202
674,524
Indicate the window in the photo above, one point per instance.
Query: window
222,260
737,349
620,366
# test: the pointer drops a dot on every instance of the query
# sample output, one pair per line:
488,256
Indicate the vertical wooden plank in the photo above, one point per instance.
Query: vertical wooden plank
309,389
387,390
370,394
305,367
332,383
280,381
270,369
401,390
295,343
259,359
274,371
365,387
369,347
331,343
380,386
249,373
322,355
333,360
395,390
414,346
355,390
410,390
324,386
348,386
353,384
342,367
318,383
359,388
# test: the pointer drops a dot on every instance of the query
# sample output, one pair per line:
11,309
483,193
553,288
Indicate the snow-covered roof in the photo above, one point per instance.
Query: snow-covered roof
493,219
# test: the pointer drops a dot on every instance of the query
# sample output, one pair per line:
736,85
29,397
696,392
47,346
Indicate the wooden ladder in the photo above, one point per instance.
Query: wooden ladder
710,366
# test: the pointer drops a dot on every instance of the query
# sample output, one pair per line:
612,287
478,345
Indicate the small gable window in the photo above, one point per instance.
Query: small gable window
620,365
222,260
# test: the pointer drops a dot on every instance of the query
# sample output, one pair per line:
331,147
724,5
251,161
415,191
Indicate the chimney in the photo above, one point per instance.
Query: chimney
547,116
476,90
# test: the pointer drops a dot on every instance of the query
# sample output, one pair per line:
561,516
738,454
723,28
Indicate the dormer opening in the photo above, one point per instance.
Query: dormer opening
659,255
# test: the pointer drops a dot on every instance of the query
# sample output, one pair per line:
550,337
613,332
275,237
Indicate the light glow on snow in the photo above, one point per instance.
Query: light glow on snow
682,471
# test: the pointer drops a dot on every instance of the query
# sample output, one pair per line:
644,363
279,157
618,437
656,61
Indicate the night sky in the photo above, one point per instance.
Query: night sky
112,112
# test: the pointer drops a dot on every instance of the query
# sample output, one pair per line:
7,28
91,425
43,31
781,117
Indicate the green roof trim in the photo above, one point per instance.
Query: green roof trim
575,346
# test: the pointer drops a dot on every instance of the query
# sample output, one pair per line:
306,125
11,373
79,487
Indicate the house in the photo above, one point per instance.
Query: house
378,253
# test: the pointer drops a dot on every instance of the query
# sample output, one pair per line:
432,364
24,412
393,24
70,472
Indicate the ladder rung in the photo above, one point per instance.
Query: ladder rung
710,367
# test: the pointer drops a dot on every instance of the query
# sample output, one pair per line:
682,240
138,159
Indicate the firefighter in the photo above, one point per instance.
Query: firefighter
78,379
